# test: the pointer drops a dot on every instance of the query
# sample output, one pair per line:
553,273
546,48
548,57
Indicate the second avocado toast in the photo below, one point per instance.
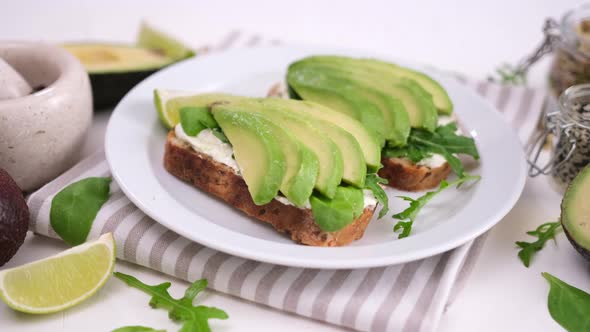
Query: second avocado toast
419,146
308,167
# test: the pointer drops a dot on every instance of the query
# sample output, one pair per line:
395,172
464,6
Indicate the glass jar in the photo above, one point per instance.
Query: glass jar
570,125
570,42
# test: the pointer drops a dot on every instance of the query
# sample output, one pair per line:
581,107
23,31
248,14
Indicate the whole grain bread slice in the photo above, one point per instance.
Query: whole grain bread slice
405,175
218,179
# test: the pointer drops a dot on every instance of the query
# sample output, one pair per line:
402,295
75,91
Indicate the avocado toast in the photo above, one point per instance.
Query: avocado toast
407,112
311,166
296,165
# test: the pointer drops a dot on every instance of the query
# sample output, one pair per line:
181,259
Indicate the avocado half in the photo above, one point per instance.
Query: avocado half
575,213
116,68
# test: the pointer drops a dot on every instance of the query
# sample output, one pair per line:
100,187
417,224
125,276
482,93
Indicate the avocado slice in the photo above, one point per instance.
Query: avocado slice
416,101
440,97
394,118
339,95
368,141
257,151
302,165
331,165
575,212
332,215
279,111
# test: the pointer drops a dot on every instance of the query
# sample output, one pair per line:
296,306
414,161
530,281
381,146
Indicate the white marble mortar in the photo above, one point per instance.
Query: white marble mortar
41,134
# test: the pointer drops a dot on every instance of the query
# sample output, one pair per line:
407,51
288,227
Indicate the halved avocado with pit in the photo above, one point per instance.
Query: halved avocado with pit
116,68
575,213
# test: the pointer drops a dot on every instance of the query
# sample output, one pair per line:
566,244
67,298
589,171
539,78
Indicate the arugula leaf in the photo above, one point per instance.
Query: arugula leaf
408,216
372,182
509,74
444,141
545,232
136,329
193,318
568,305
75,207
195,119
413,152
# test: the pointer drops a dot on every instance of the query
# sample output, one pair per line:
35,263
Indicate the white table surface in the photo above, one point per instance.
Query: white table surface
471,37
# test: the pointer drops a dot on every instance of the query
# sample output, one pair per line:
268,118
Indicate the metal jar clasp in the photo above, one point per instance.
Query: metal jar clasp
554,125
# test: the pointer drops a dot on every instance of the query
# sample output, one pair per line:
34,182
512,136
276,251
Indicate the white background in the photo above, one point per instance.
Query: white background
471,37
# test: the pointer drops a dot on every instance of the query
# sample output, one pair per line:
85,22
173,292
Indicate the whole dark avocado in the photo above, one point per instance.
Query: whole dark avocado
14,217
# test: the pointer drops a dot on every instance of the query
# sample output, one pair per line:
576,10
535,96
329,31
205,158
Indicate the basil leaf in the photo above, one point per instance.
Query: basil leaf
74,208
137,329
332,215
195,119
568,305
194,318
545,232
372,182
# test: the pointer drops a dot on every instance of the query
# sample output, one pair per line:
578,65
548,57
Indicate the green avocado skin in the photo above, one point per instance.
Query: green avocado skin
571,218
14,217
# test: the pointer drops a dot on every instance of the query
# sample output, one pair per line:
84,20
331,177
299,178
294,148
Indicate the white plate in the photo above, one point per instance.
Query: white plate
135,147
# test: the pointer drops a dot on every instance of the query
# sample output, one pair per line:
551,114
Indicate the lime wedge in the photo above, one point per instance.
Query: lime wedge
59,282
169,116
169,102
153,39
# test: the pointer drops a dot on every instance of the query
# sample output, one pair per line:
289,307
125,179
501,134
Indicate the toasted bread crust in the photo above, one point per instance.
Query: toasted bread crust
406,175
220,180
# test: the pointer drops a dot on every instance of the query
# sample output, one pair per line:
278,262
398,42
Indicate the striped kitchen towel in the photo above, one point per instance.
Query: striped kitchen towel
406,297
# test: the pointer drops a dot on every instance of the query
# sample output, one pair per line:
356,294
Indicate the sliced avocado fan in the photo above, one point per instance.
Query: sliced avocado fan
358,87
440,97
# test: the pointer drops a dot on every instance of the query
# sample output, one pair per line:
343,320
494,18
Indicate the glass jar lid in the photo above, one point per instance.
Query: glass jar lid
574,105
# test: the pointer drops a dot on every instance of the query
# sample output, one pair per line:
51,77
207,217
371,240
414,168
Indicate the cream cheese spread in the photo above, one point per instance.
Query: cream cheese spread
209,144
